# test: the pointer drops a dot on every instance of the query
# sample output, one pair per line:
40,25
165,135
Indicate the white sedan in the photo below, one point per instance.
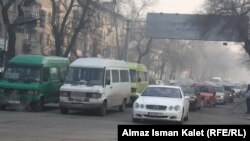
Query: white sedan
161,102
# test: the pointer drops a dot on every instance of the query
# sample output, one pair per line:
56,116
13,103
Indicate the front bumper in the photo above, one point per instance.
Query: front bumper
79,106
157,115
17,99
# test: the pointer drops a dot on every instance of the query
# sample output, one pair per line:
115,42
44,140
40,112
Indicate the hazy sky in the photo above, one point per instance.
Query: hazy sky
177,6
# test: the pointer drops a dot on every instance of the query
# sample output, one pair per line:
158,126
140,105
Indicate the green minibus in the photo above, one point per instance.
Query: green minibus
30,81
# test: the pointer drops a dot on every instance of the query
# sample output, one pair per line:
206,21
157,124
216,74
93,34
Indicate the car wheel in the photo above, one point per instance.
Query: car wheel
102,111
64,110
135,119
38,106
202,103
123,106
182,119
3,107
196,107
186,117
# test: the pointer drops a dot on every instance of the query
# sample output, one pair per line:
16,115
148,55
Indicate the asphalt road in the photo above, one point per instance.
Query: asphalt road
86,126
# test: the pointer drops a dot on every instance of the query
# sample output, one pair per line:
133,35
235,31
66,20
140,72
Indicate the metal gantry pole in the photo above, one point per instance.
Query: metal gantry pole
126,45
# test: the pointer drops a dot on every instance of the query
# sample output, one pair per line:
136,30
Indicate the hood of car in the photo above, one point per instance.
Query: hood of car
149,100
220,93
204,94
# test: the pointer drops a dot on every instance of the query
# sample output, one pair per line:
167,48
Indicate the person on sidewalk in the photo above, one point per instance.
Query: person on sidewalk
248,99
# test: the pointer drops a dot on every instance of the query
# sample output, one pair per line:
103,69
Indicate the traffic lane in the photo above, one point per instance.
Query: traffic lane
51,125
78,125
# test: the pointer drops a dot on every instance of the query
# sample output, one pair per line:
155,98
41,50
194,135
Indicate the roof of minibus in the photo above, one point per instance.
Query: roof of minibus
39,60
98,63
136,66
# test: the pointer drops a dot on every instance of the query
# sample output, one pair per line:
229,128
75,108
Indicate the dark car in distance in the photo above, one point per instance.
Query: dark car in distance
195,101
230,91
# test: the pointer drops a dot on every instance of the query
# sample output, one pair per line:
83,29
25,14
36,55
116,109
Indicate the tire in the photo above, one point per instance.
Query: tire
195,108
64,110
187,116
135,119
122,107
182,119
202,104
38,106
103,109
3,107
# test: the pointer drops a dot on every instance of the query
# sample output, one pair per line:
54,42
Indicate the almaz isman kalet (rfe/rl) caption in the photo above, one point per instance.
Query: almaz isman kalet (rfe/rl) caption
183,131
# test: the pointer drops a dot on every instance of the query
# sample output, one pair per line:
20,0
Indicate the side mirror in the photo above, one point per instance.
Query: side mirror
187,97
61,80
45,78
108,81
138,94
45,75
139,79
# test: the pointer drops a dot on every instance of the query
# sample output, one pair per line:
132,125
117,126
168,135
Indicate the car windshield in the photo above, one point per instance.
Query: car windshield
187,89
219,89
236,87
227,88
24,73
204,89
162,92
132,75
90,76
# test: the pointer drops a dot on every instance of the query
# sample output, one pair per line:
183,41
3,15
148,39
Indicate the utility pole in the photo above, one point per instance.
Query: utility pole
126,45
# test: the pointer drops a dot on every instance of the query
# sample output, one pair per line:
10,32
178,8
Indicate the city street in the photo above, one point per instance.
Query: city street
78,126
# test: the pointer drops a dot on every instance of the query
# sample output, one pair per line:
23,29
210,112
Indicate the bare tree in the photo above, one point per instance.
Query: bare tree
135,11
11,25
164,57
237,12
61,28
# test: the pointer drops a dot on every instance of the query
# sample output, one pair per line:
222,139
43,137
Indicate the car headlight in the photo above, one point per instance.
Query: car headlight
136,105
170,108
177,108
96,95
64,94
141,106
31,92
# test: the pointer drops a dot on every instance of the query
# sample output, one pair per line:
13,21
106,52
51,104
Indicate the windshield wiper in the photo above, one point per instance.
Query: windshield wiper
83,82
12,80
29,80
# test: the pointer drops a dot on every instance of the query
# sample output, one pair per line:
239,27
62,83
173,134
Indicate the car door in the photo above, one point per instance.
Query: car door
55,84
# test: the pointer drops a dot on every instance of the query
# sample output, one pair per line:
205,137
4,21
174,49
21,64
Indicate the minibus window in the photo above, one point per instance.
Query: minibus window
23,73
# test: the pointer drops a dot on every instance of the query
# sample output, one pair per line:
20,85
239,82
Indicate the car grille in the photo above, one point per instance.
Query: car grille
156,107
155,116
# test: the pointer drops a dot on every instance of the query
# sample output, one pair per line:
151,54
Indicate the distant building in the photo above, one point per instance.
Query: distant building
99,38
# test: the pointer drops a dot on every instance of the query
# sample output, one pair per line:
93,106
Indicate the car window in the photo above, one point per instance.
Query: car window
162,92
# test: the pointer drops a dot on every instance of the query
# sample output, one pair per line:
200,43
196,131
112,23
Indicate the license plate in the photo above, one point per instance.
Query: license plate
155,114
14,102
77,94
77,99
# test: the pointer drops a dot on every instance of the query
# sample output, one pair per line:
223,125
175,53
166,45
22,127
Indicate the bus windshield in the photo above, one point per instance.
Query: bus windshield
25,73
88,76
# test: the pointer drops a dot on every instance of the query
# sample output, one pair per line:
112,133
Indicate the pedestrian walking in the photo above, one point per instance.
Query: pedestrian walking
248,98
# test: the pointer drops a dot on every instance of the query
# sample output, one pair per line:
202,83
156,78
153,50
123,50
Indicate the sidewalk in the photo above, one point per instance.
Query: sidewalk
240,108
